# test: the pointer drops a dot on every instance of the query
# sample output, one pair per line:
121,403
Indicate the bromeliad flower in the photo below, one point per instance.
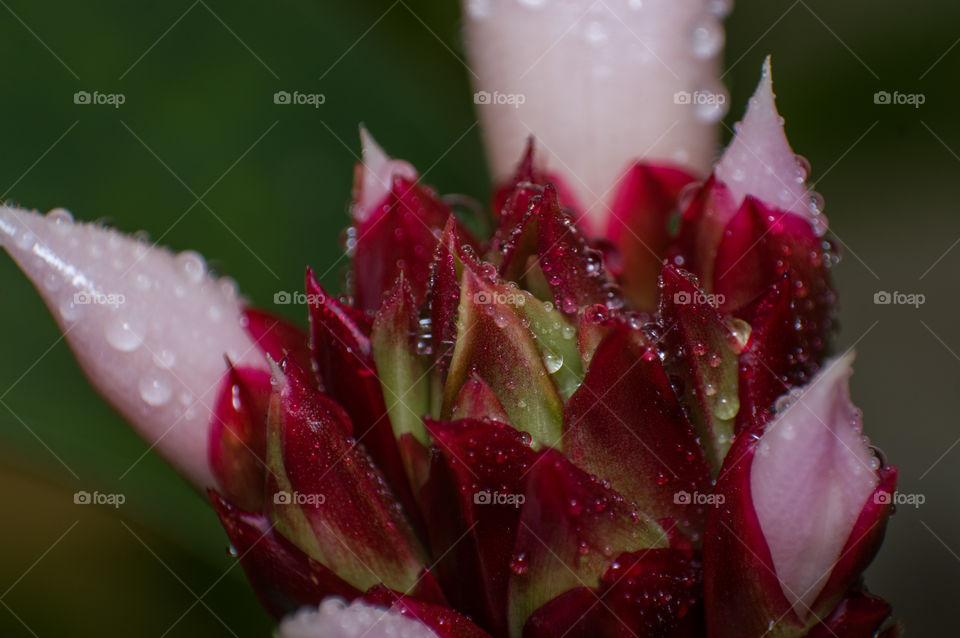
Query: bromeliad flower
613,416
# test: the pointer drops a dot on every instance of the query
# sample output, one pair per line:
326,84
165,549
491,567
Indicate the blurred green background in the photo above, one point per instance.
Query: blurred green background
199,115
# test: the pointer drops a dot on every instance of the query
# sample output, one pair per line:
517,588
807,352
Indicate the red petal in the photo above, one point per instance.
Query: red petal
343,358
443,298
401,235
238,436
626,404
444,622
478,401
471,536
283,577
701,229
277,337
741,589
859,616
571,529
345,515
765,364
702,349
639,227
403,372
574,271
494,344
644,595
763,244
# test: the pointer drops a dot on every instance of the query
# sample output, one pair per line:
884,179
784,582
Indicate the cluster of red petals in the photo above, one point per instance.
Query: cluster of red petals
496,430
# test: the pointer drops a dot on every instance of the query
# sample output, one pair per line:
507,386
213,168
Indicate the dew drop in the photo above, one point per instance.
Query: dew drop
124,335
192,265
164,358
552,362
155,389
708,38
61,217
518,564
726,407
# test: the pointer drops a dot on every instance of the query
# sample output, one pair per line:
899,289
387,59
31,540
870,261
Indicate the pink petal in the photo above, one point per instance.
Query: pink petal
598,82
335,618
150,329
810,479
374,177
760,162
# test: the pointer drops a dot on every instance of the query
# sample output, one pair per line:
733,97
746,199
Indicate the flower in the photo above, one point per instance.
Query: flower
547,432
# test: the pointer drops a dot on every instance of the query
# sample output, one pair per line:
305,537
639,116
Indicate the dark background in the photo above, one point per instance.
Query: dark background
199,81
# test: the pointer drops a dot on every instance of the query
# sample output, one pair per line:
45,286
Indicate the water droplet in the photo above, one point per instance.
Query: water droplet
518,564
720,8
478,9
25,240
124,335
61,217
164,358
726,407
155,389
69,310
192,265
596,34
552,362
708,38
740,330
